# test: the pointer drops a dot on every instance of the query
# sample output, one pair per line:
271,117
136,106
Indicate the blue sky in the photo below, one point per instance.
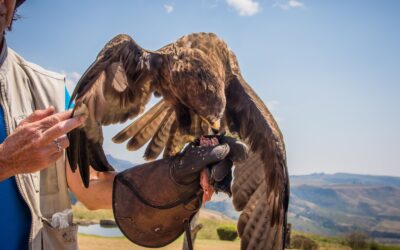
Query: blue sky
328,70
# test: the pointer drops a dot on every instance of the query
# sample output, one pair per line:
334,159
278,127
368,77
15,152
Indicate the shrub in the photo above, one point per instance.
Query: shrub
374,246
357,241
302,242
227,232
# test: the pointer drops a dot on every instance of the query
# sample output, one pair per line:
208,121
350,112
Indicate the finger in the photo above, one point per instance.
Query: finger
59,144
64,142
38,115
62,128
52,120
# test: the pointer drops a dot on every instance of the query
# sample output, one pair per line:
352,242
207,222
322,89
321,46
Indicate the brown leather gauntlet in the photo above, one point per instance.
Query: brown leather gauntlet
152,202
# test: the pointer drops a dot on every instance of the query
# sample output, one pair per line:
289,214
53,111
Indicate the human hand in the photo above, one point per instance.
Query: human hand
38,141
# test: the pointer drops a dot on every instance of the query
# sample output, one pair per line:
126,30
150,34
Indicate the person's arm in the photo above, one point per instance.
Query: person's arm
99,193
193,159
37,142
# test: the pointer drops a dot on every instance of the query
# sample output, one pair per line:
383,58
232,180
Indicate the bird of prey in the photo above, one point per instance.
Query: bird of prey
203,92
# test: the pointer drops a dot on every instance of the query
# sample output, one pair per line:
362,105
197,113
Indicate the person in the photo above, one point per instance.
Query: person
34,174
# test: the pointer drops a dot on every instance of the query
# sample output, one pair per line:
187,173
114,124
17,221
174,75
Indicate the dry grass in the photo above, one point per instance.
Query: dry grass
87,242
207,239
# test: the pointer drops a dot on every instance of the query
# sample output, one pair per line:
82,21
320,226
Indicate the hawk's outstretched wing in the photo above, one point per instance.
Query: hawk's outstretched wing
116,87
261,185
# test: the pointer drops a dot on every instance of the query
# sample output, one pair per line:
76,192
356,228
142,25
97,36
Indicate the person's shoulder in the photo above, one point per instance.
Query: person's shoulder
32,67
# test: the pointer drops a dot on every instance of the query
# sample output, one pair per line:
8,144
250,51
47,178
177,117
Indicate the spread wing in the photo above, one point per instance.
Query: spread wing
261,183
116,87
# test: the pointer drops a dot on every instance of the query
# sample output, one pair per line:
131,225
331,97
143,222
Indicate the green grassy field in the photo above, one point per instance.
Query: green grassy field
83,215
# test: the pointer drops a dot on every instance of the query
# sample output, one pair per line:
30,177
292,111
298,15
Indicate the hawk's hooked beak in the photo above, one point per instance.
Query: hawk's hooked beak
215,126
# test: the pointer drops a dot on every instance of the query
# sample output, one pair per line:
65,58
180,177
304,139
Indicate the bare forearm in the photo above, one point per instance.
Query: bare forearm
99,193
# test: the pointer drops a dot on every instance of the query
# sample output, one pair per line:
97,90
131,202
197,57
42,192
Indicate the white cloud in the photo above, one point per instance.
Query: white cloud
289,4
168,8
72,79
245,7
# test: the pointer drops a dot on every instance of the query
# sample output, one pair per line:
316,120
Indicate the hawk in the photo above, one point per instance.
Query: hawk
203,92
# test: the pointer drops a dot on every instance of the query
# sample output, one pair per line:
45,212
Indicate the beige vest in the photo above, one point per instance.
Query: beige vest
24,88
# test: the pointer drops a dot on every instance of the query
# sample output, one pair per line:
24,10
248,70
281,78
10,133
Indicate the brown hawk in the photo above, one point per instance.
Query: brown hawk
202,89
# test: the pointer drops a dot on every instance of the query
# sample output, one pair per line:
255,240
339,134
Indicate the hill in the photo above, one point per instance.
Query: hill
335,204
338,203
119,164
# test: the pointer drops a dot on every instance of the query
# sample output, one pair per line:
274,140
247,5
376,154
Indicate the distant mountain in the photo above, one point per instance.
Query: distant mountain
335,204
344,178
119,164
223,206
339,203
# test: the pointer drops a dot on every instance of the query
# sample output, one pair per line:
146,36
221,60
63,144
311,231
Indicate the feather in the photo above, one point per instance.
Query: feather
134,128
159,140
174,143
266,220
148,130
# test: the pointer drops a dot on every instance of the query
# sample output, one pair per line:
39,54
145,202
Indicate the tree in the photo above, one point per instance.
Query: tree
357,240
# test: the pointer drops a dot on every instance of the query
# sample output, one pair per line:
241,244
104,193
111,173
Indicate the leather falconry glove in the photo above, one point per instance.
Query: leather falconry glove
153,202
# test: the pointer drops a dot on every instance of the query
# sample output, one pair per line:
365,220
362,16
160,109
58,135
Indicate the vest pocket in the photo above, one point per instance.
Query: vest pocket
55,238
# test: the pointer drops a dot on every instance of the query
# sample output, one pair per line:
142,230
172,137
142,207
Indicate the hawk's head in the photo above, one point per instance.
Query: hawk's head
198,85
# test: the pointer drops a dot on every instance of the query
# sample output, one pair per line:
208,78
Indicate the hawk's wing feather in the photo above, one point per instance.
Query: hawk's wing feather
135,127
160,138
116,87
261,184
147,132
